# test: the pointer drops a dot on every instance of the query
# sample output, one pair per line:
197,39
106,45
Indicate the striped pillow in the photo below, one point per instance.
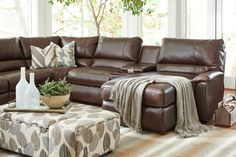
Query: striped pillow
65,57
42,58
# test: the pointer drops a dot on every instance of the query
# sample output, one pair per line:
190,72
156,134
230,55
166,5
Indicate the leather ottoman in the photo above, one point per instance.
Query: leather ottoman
158,108
83,131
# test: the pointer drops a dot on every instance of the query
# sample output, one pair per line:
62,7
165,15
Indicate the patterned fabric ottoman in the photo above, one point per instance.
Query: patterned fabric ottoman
83,131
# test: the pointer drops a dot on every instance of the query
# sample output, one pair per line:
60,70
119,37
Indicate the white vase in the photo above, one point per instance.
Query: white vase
32,95
21,87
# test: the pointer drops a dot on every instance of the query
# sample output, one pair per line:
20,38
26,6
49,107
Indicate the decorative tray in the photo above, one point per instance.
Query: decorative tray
42,109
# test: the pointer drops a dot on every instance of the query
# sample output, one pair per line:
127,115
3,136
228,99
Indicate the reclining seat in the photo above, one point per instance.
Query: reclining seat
201,61
110,56
204,59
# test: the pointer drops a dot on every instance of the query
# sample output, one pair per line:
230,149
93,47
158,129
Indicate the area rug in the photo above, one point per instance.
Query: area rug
219,142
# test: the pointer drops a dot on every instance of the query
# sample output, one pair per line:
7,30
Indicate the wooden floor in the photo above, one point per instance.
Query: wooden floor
5,153
229,91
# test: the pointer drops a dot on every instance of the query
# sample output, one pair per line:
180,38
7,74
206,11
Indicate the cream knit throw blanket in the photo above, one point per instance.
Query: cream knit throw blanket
127,96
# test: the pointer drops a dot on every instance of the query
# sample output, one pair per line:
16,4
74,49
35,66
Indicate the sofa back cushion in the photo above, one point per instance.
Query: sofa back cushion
40,42
191,56
149,54
11,56
85,48
112,50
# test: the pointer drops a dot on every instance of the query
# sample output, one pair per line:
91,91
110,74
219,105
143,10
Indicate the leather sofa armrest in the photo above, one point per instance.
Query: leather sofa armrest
207,76
140,67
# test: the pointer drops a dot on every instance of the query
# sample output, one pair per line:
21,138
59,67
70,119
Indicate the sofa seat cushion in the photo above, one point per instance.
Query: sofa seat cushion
155,95
91,76
59,72
3,85
14,76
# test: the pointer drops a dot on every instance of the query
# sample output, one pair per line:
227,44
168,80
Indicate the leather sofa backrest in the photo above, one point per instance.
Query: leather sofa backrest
85,48
117,52
11,56
41,42
191,56
149,54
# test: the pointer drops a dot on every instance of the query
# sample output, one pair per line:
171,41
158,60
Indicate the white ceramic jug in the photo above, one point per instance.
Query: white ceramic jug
21,87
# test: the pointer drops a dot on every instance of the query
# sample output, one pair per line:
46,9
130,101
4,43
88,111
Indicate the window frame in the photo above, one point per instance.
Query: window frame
132,25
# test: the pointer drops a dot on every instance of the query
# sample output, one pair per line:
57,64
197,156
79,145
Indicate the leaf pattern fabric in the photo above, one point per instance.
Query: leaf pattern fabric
83,130
65,56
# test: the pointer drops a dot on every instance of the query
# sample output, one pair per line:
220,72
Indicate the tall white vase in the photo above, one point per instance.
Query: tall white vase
21,87
32,94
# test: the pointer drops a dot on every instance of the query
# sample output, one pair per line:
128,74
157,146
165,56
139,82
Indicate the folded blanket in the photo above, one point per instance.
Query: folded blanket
127,96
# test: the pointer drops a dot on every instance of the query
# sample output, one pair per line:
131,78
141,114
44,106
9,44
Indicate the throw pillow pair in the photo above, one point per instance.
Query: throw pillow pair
53,56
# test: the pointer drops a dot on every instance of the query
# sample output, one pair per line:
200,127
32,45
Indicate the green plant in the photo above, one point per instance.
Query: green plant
55,88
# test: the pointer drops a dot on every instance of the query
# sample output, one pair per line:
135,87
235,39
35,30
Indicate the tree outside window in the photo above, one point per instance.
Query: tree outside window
155,22
15,18
77,20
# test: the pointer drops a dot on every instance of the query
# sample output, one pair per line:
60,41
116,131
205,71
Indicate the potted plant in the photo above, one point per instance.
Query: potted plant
55,94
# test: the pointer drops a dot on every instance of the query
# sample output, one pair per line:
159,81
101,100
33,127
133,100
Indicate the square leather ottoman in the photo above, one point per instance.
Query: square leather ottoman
83,131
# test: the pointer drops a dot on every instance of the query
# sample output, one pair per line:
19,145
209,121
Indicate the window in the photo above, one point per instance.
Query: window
77,20
229,36
197,22
15,18
155,22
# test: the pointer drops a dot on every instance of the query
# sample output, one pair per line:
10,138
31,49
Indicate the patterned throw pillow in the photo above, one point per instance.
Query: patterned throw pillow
42,58
65,57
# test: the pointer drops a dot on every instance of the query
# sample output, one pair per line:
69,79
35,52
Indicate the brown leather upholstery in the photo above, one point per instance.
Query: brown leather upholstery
201,61
111,63
91,76
191,56
59,73
140,67
11,56
99,61
86,94
207,76
14,76
3,85
4,97
85,48
41,42
207,95
149,54
153,119
115,52
147,60
155,95
119,48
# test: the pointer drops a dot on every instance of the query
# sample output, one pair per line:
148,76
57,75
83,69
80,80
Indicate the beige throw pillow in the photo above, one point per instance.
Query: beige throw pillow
42,58
65,56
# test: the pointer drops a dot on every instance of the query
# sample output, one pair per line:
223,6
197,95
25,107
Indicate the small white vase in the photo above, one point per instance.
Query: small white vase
32,95
21,87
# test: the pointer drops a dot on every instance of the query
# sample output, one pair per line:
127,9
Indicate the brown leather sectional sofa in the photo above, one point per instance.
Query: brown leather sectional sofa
100,60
